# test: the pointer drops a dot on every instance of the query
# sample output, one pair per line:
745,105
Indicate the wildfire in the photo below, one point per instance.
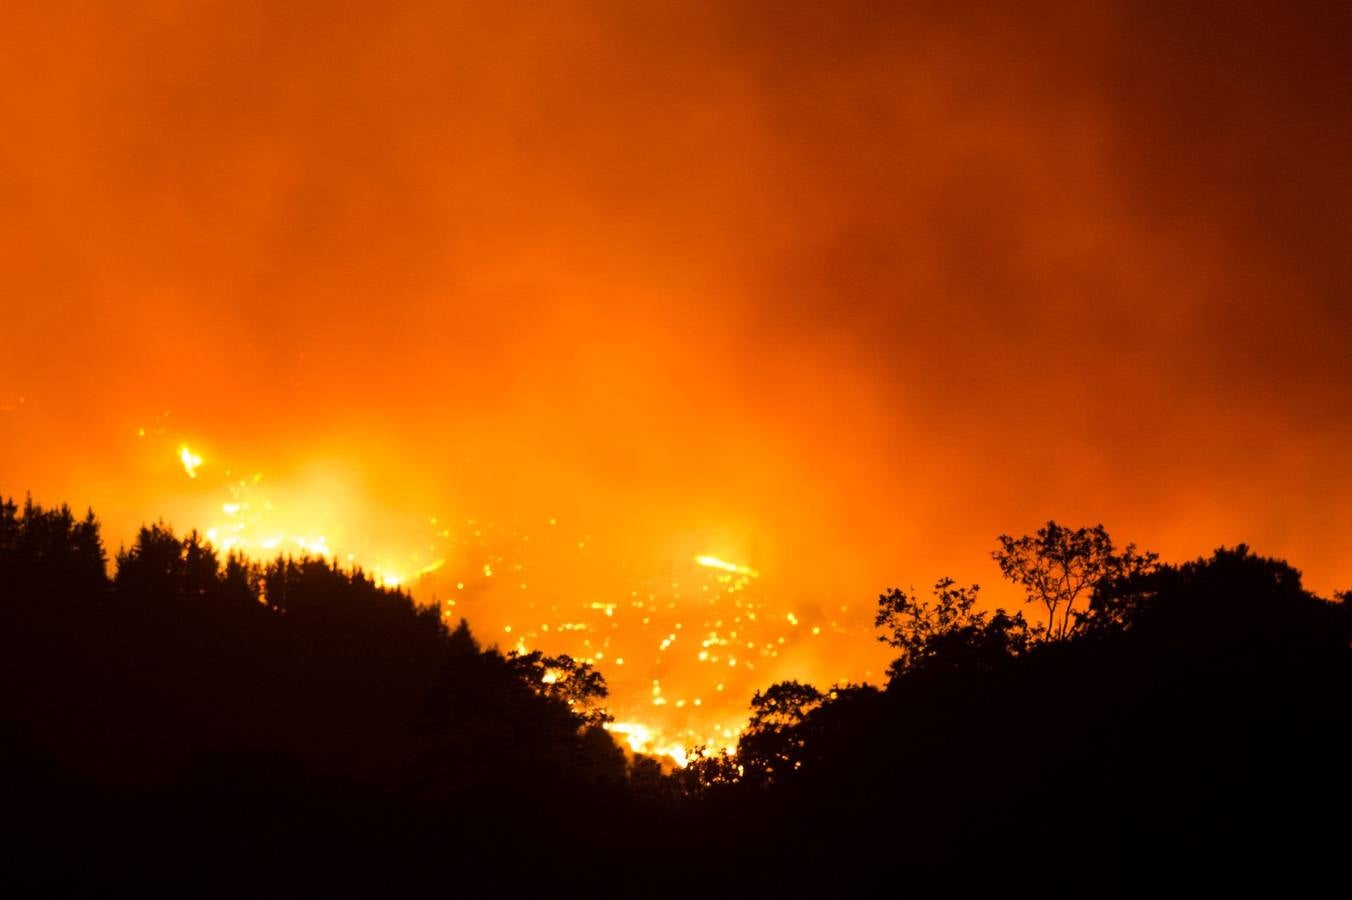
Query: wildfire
682,652
641,739
251,523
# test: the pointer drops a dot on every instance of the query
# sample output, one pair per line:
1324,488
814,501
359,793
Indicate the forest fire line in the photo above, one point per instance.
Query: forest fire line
682,652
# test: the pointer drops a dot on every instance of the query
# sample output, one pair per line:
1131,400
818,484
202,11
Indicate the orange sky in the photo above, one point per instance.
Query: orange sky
840,291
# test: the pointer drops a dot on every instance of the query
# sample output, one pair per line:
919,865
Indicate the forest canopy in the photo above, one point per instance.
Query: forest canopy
1129,706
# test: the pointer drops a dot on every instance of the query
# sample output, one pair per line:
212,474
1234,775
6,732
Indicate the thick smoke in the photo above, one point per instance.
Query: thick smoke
839,291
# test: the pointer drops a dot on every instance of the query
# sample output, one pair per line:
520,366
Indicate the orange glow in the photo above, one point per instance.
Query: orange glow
668,335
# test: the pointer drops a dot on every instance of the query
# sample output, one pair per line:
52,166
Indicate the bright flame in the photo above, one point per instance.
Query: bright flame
708,625
189,459
713,562
639,737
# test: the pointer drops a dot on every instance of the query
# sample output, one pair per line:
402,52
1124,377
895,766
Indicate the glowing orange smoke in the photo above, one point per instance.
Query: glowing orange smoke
528,313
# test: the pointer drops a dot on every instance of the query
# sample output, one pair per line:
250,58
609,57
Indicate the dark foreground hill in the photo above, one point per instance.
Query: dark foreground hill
197,722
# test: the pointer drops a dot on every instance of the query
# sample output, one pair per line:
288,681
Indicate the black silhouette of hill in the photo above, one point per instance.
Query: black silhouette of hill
192,721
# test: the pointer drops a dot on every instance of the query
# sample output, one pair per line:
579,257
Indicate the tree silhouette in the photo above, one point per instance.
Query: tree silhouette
770,747
152,568
563,678
241,581
1058,566
707,773
948,634
49,551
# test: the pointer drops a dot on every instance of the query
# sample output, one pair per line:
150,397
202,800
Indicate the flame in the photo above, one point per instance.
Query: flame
734,578
642,739
253,523
713,562
682,646
190,460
